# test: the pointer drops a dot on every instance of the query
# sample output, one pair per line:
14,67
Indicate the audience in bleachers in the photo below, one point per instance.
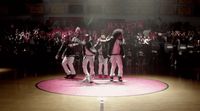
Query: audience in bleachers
32,46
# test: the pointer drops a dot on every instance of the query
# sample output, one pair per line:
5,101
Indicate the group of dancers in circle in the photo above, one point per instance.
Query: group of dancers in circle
109,49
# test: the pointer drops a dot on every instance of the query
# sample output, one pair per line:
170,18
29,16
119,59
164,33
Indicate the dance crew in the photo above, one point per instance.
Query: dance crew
116,53
109,48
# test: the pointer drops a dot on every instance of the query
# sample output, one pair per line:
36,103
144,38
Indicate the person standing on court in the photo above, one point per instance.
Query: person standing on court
116,53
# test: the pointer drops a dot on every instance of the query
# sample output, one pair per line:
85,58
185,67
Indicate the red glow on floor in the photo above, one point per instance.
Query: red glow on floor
131,86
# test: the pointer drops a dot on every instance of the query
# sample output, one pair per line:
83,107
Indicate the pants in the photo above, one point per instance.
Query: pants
68,66
103,65
116,61
88,60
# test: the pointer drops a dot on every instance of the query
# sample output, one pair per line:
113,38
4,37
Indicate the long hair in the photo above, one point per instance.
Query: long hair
117,32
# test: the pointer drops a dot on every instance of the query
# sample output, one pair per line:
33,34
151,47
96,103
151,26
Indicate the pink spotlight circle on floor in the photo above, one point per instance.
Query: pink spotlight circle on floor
130,86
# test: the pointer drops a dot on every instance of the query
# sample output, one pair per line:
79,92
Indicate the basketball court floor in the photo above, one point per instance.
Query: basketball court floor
138,92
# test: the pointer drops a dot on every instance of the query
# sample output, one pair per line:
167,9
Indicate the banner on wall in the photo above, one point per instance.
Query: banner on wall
36,8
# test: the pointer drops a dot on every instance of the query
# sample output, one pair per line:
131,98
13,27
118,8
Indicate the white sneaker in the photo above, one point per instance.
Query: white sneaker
87,79
84,80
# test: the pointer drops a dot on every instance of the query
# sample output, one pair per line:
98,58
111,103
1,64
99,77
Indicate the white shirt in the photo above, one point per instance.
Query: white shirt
116,49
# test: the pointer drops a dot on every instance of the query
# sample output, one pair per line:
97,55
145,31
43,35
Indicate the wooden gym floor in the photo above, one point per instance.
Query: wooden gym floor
20,94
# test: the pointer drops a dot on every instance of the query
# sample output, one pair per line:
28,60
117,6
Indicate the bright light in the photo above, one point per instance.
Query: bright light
101,99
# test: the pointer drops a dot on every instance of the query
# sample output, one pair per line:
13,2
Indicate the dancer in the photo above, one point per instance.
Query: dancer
102,51
69,53
116,53
89,56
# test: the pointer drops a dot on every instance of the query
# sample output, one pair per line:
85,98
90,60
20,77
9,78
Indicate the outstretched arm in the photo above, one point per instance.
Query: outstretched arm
73,44
78,41
107,39
97,43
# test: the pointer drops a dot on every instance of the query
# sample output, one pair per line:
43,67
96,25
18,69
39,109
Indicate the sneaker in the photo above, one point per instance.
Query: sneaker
87,79
84,80
120,79
100,76
67,76
91,81
105,76
73,76
111,78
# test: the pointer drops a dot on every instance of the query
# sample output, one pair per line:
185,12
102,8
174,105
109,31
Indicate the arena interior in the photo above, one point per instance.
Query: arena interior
162,50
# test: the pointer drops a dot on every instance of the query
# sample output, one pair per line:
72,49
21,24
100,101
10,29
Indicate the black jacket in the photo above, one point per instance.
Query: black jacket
111,46
88,45
104,46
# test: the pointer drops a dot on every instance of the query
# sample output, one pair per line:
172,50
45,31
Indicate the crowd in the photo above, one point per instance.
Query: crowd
32,46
